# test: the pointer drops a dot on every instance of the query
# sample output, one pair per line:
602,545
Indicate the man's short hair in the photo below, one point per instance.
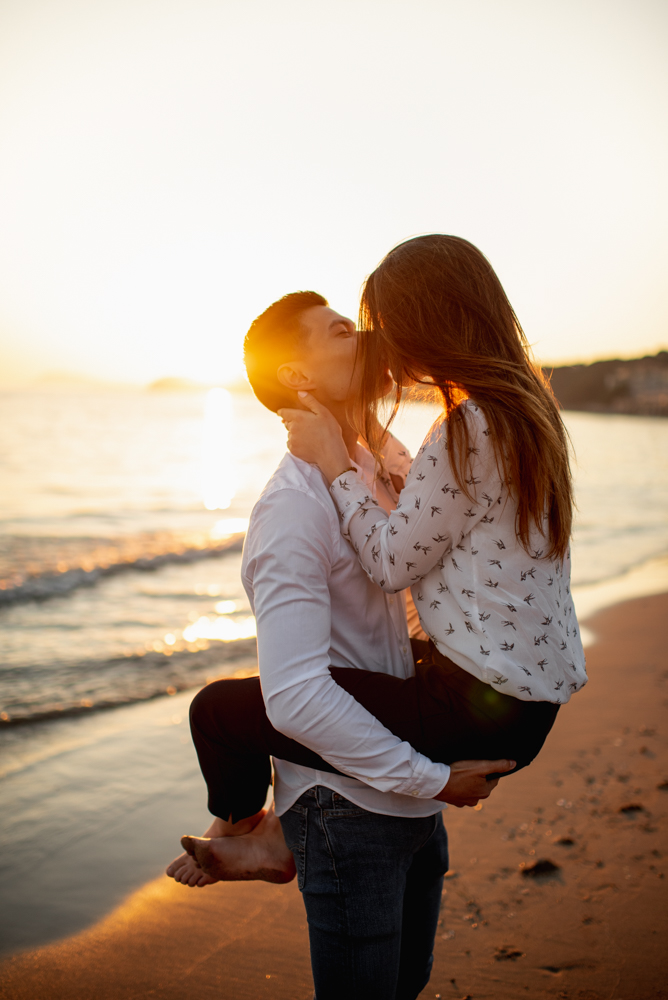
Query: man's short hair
272,340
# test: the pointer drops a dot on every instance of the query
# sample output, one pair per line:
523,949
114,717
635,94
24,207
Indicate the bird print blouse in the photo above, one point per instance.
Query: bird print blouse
500,612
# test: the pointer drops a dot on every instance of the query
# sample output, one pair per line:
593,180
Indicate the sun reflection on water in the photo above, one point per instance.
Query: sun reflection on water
226,607
229,526
218,466
222,629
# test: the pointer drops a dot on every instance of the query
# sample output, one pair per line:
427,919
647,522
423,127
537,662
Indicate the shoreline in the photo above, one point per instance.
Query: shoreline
642,580
648,577
593,928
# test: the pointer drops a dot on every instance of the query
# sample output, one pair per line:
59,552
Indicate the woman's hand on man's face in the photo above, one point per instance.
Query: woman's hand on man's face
314,435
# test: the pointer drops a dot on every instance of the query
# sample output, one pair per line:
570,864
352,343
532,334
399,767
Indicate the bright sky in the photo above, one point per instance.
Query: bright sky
170,167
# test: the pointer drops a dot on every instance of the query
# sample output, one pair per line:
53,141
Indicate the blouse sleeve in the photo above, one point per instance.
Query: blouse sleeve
396,457
432,513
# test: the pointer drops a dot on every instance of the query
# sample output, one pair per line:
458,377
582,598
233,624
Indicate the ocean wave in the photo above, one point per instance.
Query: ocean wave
592,576
56,582
33,694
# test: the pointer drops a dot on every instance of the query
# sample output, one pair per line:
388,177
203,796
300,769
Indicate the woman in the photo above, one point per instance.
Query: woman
481,528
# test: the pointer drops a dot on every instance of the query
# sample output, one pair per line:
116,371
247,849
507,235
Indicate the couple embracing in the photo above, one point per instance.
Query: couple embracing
416,633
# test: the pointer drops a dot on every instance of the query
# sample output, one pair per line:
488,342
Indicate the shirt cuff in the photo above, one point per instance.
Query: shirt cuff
429,779
425,782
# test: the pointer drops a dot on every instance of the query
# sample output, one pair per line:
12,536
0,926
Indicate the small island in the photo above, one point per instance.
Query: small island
637,386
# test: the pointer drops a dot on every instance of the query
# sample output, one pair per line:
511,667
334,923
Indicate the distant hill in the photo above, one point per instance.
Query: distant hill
176,384
636,386
74,381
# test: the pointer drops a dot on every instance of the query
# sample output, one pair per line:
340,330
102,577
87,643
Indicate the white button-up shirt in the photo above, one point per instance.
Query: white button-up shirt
316,607
500,612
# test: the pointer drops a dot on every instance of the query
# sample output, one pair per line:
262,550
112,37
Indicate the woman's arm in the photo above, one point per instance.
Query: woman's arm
432,513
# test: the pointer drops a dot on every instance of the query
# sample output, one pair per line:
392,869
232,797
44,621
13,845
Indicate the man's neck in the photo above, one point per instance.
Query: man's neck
349,433
350,439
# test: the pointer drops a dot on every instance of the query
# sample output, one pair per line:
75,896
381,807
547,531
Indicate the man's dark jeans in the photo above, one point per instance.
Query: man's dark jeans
372,889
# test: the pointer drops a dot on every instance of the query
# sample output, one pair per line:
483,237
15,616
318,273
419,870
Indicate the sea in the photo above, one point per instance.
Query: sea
122,518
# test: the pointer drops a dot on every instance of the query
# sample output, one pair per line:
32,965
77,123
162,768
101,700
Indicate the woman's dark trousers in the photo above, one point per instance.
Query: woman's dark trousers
443,712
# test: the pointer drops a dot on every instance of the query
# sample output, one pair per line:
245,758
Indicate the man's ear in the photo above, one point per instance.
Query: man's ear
293,376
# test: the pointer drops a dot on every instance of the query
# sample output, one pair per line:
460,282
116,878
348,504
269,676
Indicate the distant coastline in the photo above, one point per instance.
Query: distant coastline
636,386
176,384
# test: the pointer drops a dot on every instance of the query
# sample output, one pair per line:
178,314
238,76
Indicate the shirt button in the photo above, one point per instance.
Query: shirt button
414,793
405,649
391,600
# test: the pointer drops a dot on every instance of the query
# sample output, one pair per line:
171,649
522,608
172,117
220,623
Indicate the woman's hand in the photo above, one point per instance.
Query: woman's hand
314,435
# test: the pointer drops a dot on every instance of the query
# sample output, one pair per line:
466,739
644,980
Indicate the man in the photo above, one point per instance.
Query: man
368,842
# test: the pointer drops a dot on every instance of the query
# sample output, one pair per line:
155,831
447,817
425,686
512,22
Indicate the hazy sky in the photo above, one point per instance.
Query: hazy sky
169,168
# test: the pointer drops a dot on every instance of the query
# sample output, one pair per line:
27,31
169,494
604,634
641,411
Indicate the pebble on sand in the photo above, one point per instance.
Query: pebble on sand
539,868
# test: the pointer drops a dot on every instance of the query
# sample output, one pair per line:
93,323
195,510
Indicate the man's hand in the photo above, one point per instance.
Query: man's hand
468,781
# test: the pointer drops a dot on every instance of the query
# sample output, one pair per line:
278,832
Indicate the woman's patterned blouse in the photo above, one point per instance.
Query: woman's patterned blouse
500,612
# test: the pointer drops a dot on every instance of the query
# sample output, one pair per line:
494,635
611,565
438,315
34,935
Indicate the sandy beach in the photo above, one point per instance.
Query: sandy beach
592,925
476,192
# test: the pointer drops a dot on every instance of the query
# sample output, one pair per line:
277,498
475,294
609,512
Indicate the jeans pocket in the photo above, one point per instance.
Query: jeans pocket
343,807
294,823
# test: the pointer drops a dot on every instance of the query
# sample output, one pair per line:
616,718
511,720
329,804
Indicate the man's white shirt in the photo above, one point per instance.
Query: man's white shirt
315,607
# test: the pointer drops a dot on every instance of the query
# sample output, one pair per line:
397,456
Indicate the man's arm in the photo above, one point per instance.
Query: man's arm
289,567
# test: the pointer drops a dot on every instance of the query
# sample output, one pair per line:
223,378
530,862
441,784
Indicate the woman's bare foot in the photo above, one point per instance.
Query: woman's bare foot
185,869
261,855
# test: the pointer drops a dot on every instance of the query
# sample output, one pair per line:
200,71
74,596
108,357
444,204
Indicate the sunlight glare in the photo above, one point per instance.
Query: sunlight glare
226,607
229,526
221,629
218,467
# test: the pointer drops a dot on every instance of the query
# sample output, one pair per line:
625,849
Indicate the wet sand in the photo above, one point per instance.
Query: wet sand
593,927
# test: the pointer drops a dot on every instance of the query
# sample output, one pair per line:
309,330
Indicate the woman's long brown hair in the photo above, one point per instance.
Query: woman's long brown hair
435,313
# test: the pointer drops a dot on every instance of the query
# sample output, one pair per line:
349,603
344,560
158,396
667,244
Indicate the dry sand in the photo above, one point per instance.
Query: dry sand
596,927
